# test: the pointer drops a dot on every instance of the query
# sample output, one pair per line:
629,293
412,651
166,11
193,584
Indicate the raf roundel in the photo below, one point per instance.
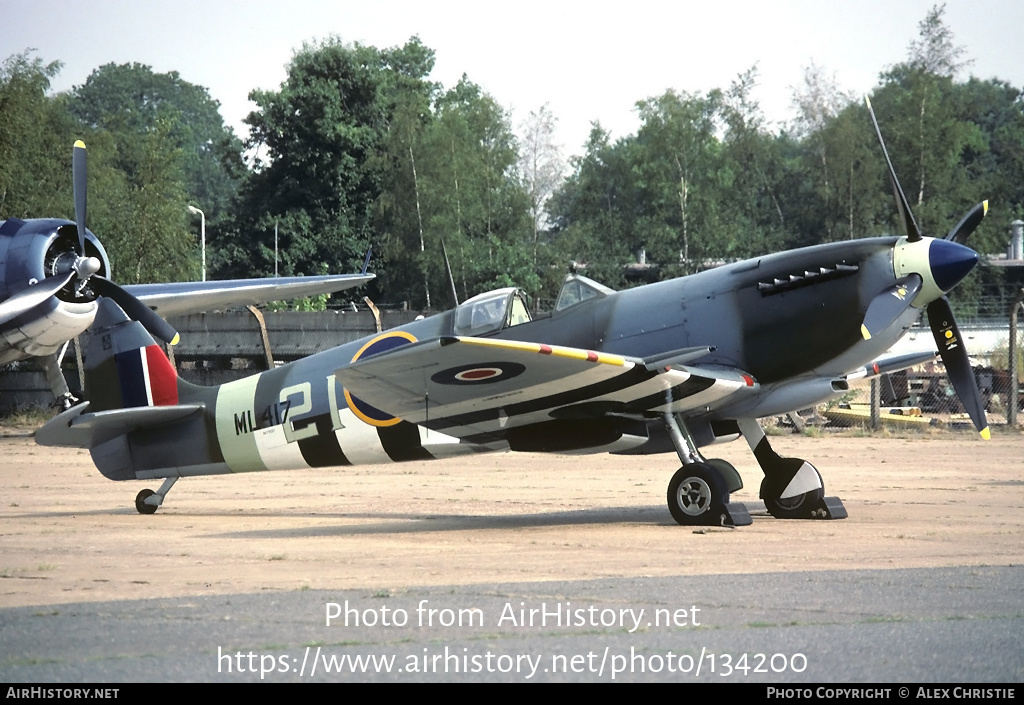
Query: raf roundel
382,343
485,373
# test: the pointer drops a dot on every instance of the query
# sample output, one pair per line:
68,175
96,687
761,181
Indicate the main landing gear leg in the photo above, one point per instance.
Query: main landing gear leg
698,493
792,487
59,385
147,501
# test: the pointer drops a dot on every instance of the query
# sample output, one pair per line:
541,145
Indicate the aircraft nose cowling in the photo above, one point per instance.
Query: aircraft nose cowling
950,262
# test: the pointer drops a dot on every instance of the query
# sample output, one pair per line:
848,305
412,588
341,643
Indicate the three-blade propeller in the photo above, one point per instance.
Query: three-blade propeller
889,305
85,270
134,308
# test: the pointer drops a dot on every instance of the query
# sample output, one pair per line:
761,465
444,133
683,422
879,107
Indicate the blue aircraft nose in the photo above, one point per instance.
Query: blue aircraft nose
950,262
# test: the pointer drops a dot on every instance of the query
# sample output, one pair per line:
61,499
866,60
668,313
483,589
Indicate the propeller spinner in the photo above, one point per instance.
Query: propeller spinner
927,268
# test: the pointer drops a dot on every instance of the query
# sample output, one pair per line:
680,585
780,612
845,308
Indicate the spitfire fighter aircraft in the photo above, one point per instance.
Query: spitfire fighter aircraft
671,366
53,271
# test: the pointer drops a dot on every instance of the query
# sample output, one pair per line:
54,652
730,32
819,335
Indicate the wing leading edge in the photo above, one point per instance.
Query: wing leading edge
189,297
478,389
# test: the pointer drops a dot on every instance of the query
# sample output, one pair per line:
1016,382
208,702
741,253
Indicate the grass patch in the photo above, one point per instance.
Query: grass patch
33,416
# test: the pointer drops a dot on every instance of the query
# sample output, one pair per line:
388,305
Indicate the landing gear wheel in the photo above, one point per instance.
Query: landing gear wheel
140,502
798,507
697,496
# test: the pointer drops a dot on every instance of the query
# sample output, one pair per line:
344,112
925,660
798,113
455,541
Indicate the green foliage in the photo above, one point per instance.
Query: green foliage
700,182
704,180
452,176
35,141
319,165
357,146
139,204
130,100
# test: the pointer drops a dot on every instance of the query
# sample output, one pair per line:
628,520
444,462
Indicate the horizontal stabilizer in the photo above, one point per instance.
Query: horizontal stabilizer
77,428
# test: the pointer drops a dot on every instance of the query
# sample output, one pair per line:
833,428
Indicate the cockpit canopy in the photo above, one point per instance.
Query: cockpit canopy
491,312
577,289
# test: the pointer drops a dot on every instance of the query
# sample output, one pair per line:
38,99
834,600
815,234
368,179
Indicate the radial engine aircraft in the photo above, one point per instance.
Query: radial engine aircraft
53,271
671,366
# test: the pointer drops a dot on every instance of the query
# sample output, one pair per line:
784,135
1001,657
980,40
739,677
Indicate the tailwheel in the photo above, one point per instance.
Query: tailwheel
140,502
697,495
801,506
155,498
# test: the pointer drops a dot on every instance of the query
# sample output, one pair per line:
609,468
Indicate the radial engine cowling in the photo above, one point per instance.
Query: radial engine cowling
31,251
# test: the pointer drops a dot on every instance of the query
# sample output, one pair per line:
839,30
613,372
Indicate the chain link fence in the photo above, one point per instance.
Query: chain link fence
923,397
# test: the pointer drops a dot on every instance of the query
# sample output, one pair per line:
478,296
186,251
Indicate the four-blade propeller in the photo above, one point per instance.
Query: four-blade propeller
947,262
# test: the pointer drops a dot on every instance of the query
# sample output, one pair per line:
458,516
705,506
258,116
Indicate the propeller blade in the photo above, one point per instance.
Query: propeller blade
968,223
78,174
885,308
909,224
135,309
32,296
958,367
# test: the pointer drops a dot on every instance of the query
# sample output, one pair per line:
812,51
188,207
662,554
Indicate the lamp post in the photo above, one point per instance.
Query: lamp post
202,234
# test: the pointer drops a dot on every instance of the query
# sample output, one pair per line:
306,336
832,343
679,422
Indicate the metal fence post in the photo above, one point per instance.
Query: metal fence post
1011,403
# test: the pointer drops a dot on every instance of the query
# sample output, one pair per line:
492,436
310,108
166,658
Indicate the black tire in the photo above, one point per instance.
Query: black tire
140,502
697,496
799,507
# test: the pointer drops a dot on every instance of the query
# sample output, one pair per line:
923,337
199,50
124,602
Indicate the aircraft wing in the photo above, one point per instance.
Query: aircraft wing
892,363
474,388
190,297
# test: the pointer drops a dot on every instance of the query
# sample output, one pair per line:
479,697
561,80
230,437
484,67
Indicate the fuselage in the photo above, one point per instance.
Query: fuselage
788,319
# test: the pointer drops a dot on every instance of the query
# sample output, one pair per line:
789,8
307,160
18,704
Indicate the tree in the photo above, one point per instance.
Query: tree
756,220
595,207
995,162
541,164
928,134
472,195
678,164
35,141
320,159
818,102
142,213
934,51
130,101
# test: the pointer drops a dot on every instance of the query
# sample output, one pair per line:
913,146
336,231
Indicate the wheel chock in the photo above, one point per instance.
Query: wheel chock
829,508
736,514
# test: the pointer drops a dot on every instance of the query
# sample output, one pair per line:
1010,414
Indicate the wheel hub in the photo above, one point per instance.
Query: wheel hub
694,496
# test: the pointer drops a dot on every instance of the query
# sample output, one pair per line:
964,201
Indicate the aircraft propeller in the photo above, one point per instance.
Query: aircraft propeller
962,230
33,295
85,270
79,172
947,262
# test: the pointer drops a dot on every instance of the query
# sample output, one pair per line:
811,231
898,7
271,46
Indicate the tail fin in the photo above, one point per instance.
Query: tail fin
125,367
